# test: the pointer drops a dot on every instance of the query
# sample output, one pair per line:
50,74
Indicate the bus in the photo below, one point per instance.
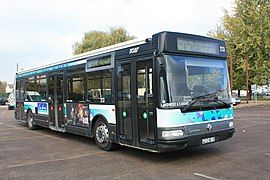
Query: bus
159,94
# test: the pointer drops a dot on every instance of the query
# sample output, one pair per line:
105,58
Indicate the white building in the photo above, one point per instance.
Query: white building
9,88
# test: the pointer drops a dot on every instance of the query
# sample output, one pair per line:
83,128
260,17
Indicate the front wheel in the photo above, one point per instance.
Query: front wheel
30,121
102,136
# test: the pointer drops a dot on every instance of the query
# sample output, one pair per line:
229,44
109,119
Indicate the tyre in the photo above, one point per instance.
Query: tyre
102,136
30,121
11,107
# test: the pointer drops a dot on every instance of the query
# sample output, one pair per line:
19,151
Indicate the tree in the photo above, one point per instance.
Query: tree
3,85
246,31
98,39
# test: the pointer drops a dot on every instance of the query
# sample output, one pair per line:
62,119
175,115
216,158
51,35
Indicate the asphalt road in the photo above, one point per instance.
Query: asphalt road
45,154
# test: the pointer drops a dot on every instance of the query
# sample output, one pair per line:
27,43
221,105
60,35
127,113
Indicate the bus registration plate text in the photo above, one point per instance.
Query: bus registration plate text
208,140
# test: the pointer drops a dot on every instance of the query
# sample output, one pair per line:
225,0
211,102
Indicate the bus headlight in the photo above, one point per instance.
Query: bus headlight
231,124
172,133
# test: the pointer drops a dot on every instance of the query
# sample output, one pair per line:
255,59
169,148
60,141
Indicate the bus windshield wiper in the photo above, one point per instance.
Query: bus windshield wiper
210,94
195,100
204,97
221,101
215,98
190,104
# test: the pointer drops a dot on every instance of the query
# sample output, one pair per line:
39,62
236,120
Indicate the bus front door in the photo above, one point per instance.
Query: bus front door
135,103
55,100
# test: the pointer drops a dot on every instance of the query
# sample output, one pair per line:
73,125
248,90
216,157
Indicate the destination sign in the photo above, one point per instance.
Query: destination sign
192,45
102,61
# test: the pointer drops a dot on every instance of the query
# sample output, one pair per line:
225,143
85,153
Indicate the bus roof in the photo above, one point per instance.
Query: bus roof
166,41
95,52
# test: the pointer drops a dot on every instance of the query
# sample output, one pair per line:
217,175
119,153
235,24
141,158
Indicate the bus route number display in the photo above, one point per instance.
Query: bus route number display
191,45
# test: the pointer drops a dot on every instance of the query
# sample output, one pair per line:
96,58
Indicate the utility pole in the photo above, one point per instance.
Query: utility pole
17,66
247,79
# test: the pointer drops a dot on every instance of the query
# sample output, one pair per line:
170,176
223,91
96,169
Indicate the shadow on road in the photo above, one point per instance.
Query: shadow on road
184,154
180,155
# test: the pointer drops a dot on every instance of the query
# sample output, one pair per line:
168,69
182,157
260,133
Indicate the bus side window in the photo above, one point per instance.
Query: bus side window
94,87
99,87
107,86
40,93
30,86
76,88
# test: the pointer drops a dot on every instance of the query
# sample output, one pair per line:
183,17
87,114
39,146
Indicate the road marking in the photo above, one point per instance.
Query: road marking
257,124
254,118
205,176
14,139
3,112
14,127
268,154
53,160
6,129
121,176
11,126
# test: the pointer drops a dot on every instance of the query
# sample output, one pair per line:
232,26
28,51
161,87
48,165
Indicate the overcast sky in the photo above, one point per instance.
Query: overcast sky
35,32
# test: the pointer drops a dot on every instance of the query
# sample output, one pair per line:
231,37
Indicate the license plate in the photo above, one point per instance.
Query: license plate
208,140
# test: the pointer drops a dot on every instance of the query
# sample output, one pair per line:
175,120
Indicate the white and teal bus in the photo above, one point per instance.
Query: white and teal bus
160,94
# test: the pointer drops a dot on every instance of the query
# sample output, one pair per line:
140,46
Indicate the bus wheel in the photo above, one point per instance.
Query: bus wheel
102,135
30,121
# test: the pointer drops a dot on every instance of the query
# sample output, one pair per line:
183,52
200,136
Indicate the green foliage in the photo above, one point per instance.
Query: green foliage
3,85
246,31
3,93
98,39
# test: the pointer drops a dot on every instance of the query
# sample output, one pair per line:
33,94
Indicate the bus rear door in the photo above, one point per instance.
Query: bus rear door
20,97
55,98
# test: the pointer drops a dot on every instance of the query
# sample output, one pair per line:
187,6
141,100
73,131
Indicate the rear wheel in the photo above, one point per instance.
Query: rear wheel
30,121
102,135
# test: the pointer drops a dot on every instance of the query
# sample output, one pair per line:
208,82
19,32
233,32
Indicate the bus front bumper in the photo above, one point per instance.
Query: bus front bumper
194,140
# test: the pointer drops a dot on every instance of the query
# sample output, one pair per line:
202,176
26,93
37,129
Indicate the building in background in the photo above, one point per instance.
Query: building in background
9,88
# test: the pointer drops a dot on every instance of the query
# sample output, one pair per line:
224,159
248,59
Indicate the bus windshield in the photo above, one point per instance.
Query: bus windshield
188,78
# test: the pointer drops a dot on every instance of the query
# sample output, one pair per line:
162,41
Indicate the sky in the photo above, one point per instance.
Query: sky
36,32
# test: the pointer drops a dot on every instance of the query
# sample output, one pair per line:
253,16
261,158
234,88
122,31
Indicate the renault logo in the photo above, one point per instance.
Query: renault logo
209,127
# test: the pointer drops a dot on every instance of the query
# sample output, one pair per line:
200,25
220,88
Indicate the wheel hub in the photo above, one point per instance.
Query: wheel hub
30,120
102,134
